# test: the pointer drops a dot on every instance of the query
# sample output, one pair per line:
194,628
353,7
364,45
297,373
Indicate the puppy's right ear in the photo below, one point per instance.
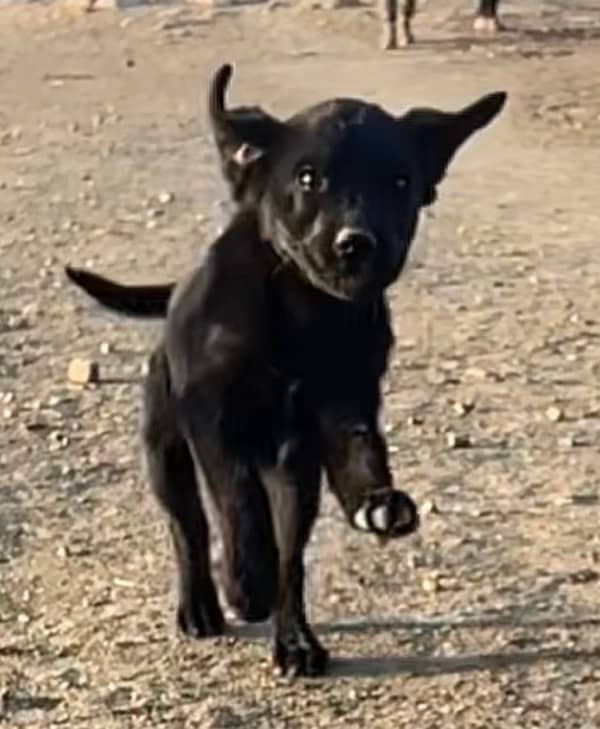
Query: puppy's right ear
243,135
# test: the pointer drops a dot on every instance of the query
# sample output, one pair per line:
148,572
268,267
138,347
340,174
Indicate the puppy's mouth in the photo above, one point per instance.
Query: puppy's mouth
349,281
349,277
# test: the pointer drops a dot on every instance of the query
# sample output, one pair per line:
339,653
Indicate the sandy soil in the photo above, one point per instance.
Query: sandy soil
489,618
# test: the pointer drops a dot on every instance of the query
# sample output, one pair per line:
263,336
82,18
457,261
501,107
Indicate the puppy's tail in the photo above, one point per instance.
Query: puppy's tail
148,302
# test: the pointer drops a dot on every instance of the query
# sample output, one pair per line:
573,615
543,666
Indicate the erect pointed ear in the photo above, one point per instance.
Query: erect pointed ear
439,134
243,135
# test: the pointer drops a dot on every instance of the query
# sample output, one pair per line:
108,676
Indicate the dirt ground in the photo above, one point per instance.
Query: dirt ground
489,617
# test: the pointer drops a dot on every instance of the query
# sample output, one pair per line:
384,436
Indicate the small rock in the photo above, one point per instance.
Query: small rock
413,561
475,373
436,377
62,552
583,576
574,440
554,414
456,440
83,371
165,197
429,507
105,348
463,408
431,583
15,322
448,365
585,499
57,441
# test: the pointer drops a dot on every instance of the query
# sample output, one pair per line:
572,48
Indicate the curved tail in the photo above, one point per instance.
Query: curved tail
150,302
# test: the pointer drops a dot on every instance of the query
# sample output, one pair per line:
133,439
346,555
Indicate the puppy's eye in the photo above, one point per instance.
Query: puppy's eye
359,430
308,179
401,182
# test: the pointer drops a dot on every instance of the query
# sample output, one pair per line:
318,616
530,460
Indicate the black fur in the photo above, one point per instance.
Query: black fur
139,301
273,350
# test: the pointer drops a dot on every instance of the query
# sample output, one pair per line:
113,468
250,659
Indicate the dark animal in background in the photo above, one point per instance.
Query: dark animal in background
269,369
486,21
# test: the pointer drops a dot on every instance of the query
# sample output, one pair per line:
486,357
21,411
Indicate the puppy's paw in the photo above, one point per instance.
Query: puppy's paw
200,616
487,26
388,514
291,660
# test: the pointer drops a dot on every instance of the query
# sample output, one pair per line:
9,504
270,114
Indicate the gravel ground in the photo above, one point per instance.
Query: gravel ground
488,618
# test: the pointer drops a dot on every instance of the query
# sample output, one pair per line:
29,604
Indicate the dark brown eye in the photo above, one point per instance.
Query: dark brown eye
308,178
359,430
401,182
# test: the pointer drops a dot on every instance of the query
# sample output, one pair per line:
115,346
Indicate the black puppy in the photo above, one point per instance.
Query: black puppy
274,348
486,21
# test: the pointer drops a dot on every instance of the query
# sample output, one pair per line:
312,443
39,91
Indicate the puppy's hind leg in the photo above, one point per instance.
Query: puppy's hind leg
250,568
220,440
172,476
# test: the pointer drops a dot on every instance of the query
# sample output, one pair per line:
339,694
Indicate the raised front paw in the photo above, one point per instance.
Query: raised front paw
292,658
387,513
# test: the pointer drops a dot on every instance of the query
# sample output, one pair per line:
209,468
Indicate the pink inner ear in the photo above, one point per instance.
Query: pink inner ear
246,154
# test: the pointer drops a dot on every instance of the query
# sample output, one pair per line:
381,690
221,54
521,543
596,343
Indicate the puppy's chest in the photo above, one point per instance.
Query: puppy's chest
328,349
309,350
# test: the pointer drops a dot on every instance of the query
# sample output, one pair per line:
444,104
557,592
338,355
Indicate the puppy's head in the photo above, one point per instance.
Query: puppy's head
338,188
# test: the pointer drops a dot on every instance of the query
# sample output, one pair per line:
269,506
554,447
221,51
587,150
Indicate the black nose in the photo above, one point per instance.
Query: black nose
353,243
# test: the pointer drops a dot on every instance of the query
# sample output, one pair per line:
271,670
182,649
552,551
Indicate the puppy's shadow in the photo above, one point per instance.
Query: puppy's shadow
548,40
361,667
436,665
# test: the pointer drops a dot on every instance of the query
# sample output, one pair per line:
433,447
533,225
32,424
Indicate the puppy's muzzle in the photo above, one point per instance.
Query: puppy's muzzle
353,244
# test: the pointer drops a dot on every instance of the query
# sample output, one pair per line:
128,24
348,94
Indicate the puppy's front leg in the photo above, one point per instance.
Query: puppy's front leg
358,473
293,487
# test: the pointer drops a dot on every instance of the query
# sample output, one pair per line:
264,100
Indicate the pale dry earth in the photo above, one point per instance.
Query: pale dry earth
490,617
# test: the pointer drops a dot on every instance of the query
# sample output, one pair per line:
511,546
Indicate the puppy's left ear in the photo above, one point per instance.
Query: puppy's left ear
439,135
244,135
